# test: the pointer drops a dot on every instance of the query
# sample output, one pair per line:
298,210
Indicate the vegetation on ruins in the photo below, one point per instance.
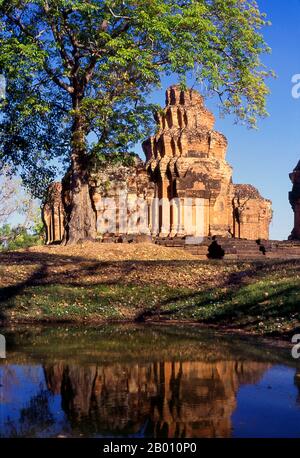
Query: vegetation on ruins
79,74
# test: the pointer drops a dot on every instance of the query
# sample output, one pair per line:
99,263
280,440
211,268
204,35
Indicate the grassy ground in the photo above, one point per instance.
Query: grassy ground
99,282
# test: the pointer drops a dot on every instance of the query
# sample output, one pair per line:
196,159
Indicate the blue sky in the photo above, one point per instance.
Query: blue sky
266,156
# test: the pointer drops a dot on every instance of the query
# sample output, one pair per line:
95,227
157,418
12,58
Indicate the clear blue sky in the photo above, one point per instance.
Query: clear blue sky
265,157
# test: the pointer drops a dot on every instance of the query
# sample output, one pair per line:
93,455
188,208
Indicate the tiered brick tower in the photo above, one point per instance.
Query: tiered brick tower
186,159
294,197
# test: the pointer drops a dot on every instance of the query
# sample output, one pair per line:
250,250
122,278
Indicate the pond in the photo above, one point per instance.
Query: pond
145,381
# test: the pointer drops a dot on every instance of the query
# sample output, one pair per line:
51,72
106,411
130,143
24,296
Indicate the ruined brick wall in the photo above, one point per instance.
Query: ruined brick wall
253,213
122,195
54,215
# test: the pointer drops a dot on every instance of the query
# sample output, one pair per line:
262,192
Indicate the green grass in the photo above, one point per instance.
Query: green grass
262,300
265,306
101,302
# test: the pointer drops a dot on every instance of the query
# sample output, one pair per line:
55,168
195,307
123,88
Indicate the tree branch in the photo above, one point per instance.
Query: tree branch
117,16
56,79
59,39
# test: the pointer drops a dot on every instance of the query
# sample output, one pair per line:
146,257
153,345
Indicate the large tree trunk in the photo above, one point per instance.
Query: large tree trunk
81,215
82,218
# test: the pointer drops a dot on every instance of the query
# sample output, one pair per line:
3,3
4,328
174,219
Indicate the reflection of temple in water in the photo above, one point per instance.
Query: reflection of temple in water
190,399
297,384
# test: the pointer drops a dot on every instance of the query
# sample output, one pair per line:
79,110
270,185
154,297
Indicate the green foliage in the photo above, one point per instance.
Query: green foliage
14,238
90,66
117,158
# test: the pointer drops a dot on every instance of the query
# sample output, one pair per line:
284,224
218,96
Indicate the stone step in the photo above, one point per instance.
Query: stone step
240,247
282,248
282,256
251,256
174,245
244,252
196,247
230,256
199,252
241,250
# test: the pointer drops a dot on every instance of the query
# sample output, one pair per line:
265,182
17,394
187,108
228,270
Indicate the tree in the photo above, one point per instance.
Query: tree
13,238
8,189
14,199
76,68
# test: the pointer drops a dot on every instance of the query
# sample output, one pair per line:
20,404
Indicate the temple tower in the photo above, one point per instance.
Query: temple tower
186,161
294,197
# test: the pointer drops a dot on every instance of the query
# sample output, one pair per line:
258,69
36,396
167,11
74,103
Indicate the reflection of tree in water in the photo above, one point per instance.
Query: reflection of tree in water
8,380
38,411
297,383
34,418
188,399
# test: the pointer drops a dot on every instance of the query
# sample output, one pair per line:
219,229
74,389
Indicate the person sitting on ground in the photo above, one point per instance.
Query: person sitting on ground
215,251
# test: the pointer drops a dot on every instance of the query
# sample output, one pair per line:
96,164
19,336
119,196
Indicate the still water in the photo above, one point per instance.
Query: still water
145,381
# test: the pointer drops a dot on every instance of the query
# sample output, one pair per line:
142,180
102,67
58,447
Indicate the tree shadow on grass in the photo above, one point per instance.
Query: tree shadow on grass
227,309
77,268
77,272
249,312
38,277
9,292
